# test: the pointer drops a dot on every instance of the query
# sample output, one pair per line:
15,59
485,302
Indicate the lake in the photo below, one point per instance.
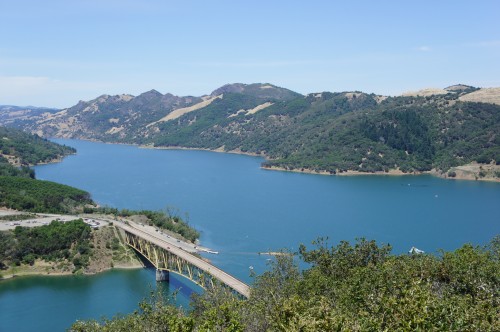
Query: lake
242,209
54,303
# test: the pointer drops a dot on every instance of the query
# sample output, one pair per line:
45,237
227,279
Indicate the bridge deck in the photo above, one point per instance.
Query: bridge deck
222,276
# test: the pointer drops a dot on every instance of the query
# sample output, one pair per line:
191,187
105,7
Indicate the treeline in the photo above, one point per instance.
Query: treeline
360,287
26,194
168,220
55,242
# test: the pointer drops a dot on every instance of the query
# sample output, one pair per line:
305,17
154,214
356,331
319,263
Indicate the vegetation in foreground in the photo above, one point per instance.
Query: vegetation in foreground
360,287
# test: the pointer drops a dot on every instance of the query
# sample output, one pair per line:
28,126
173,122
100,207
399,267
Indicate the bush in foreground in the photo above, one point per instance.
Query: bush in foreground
360,287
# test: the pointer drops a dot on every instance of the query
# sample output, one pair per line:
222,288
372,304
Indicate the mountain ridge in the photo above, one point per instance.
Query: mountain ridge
332,132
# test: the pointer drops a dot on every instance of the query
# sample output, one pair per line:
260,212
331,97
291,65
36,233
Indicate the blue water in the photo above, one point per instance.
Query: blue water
242,209
54,303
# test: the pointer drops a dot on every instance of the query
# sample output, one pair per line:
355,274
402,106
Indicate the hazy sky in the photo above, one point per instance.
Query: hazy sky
55,53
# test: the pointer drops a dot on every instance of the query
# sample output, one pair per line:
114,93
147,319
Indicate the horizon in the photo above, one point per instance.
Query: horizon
208,94
58,53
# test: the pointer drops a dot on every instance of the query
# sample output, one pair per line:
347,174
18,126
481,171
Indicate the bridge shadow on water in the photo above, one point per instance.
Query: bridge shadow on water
177,289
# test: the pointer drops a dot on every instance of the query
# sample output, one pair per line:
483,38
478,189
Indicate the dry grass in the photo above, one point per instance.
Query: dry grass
474,171
181,111
105,256
259,108
425,92
486,95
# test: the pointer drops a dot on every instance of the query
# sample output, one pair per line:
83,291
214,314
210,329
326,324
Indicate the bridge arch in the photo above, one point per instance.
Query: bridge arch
165,257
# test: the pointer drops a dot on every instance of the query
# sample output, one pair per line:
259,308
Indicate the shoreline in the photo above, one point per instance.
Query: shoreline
393,172
461,174
63,274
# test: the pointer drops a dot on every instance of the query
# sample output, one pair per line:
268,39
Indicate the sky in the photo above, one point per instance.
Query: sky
54,53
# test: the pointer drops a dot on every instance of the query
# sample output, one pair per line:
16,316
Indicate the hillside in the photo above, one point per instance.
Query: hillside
329,132
491,95
19,149
10,115
18,188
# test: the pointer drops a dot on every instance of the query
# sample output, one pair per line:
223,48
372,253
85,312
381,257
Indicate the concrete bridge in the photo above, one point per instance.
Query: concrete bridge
168,258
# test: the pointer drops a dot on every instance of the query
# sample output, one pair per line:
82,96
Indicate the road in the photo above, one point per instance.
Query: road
40,219
224,277
186,246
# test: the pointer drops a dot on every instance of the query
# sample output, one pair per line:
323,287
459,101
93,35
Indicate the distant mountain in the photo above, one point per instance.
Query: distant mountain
257,90
11,115
330,132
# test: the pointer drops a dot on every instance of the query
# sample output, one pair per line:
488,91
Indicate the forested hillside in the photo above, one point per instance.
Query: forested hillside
19,149
336,132
329,132
30,149
41,196
18,187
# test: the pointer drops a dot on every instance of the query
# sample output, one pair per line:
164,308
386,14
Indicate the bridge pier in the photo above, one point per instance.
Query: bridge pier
162,275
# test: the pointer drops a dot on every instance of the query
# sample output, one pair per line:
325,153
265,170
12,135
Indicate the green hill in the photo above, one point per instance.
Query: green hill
18,188
32,195
19,150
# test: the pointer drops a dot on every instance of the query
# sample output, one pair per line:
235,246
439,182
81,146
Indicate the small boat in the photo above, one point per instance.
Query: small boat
414,250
